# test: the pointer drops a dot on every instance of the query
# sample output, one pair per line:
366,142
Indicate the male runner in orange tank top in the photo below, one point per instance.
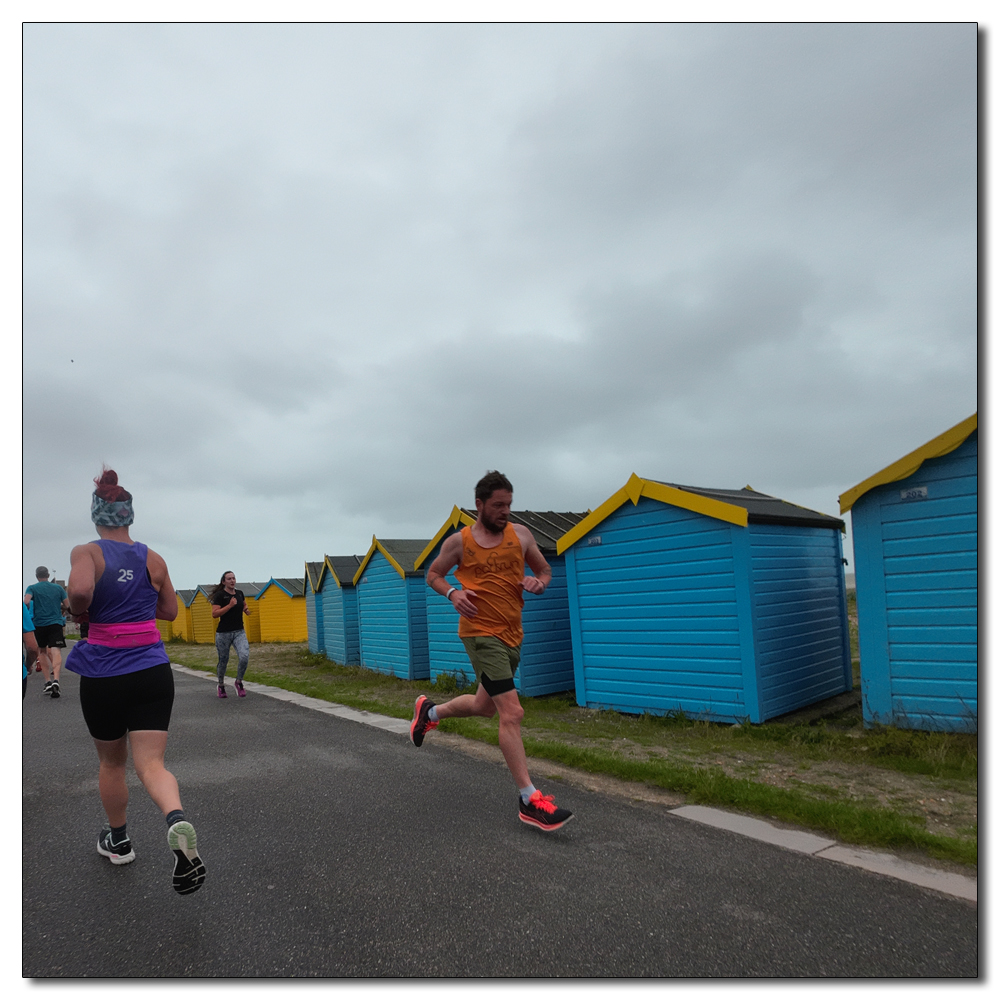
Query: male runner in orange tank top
490,556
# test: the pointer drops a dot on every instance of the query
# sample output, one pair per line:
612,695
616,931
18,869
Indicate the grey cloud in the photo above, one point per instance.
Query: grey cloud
319,278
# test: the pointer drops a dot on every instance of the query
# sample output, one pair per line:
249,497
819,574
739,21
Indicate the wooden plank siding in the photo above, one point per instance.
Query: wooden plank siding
314,607
654,618
281,606
801,635
340,621
251,622
917,584
182,625
392,620
547,651
203,625
713,612
446,652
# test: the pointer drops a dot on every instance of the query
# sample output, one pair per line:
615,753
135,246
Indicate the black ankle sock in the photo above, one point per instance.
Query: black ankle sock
175,817
118,834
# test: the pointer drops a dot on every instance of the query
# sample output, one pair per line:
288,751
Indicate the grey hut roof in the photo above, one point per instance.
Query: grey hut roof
187,596
313,571
249,590
344,568
764,509
405,551
290,585
546,526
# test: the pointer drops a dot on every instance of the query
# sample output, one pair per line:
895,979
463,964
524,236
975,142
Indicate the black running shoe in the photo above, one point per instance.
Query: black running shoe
542,811
54,690
118,854
421,725
47,687
189,871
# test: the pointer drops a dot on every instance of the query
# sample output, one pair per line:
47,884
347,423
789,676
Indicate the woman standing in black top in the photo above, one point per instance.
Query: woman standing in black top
229,606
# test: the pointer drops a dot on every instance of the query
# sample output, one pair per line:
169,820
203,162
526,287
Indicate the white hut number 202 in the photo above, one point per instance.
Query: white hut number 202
124,575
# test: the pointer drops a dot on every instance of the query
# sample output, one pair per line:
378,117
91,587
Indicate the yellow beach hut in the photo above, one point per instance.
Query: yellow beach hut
182,624
202,623
281,607
251,622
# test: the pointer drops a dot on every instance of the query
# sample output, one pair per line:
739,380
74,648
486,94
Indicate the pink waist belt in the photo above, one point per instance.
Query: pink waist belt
124,635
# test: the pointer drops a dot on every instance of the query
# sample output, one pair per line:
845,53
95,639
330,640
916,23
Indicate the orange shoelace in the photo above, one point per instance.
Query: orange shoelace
546,802
430,725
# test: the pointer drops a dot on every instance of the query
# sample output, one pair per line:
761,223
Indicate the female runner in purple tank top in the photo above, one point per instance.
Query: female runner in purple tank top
126,684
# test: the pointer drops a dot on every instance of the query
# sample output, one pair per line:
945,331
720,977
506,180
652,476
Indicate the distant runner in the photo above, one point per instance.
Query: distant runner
229,606
490,556
48,601
126,684
29,647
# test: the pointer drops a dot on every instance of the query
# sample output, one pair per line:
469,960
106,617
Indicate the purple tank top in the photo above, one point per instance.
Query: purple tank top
122,594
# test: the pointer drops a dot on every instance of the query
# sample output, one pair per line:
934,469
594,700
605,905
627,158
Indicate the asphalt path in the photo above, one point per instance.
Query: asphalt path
340,850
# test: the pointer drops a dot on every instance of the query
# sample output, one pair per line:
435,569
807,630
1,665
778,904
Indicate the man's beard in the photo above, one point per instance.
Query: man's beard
491,526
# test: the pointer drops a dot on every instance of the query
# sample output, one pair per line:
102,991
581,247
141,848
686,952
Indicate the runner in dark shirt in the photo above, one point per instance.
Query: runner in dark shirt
229,606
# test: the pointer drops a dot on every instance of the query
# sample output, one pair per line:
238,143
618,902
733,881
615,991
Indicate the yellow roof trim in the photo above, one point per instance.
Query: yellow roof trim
908,464
377,546
308,580
635,489
364,562
593,519
455,518
718,509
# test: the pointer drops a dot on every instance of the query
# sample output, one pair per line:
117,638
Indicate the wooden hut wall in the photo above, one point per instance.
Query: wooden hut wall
314,611
182,625
392,612
282,615
166,629
915,553
675,610
340,620
655,616
251,622
547,651
799,618
203,625
446,652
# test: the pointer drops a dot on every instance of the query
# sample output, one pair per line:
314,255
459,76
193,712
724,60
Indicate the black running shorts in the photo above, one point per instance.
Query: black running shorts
114,706
50,636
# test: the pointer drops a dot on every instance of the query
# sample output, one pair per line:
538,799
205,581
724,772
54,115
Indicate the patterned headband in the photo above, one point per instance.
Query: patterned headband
111,513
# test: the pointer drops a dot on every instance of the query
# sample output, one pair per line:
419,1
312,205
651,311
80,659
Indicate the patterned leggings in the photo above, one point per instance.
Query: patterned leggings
223,640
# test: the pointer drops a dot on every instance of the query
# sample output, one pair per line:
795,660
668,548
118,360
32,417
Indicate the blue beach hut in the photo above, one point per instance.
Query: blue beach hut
392,609
339,598
916,531
314,607
547,651
724,604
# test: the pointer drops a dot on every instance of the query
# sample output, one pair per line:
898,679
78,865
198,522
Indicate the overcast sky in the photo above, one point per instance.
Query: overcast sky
300,284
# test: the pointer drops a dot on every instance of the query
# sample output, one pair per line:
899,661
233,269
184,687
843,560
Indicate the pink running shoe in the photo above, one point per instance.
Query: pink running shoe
222,691
421,725
240,689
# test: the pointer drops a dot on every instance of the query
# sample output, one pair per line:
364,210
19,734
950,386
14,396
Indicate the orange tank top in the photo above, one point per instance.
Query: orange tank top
496,576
